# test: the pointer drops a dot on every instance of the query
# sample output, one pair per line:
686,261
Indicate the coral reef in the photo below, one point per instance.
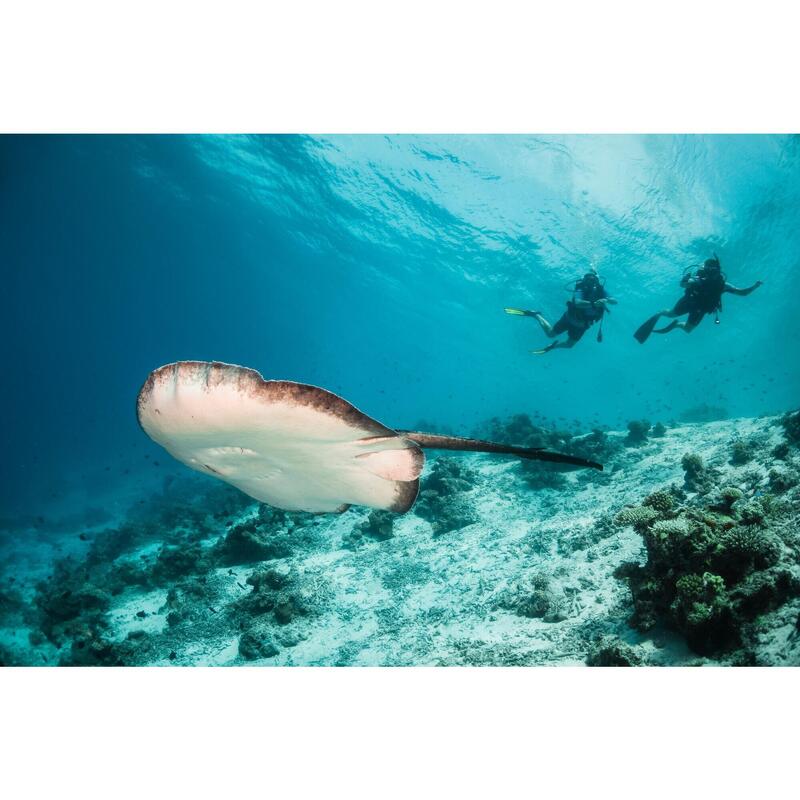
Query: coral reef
377,527
637,432
711,568
791,428
69,602
541,475
782,480
781,451
609,651
442,499
742,452
268,535
698,477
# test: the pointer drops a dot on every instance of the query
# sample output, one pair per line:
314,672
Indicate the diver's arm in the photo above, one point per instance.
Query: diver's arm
593,304
742,292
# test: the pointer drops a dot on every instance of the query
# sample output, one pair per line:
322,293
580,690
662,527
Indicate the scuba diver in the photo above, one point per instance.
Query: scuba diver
702,295
588,304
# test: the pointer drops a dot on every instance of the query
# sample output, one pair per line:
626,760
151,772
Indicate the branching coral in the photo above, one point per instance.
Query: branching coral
661,501
743,549
638,517
728,496
702,568
702,612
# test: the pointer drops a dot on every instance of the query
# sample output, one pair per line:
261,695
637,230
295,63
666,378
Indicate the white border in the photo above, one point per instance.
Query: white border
416,66
405,733
573,66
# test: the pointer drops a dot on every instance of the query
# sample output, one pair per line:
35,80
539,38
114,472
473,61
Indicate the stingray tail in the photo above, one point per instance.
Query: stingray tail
434,441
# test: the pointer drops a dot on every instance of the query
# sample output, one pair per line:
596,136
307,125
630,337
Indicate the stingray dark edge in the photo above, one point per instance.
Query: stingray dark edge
251,382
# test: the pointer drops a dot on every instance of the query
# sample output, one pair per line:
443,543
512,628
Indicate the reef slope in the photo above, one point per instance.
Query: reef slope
499,563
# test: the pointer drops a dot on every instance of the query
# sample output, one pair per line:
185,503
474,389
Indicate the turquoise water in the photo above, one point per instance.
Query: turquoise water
377,267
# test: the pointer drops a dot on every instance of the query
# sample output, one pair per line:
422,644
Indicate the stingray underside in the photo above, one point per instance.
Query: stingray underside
295,446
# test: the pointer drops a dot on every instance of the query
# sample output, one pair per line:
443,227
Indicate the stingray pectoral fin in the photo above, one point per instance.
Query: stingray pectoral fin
394,465
434,441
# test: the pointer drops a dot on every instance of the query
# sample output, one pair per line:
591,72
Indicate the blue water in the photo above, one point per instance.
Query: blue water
378,267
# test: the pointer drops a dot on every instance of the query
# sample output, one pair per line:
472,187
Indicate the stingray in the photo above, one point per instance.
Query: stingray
294,446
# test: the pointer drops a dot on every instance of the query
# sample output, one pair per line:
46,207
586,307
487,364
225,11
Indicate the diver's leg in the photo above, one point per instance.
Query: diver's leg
692,321
562,326
566,343
573,337
671,327
677,311
546,326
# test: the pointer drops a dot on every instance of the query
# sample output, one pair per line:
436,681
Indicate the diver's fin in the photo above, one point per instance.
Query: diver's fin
520,312
434,441
545,349
643,333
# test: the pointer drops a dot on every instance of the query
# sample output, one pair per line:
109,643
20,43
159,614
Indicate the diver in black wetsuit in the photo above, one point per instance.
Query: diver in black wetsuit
588,304
702,295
